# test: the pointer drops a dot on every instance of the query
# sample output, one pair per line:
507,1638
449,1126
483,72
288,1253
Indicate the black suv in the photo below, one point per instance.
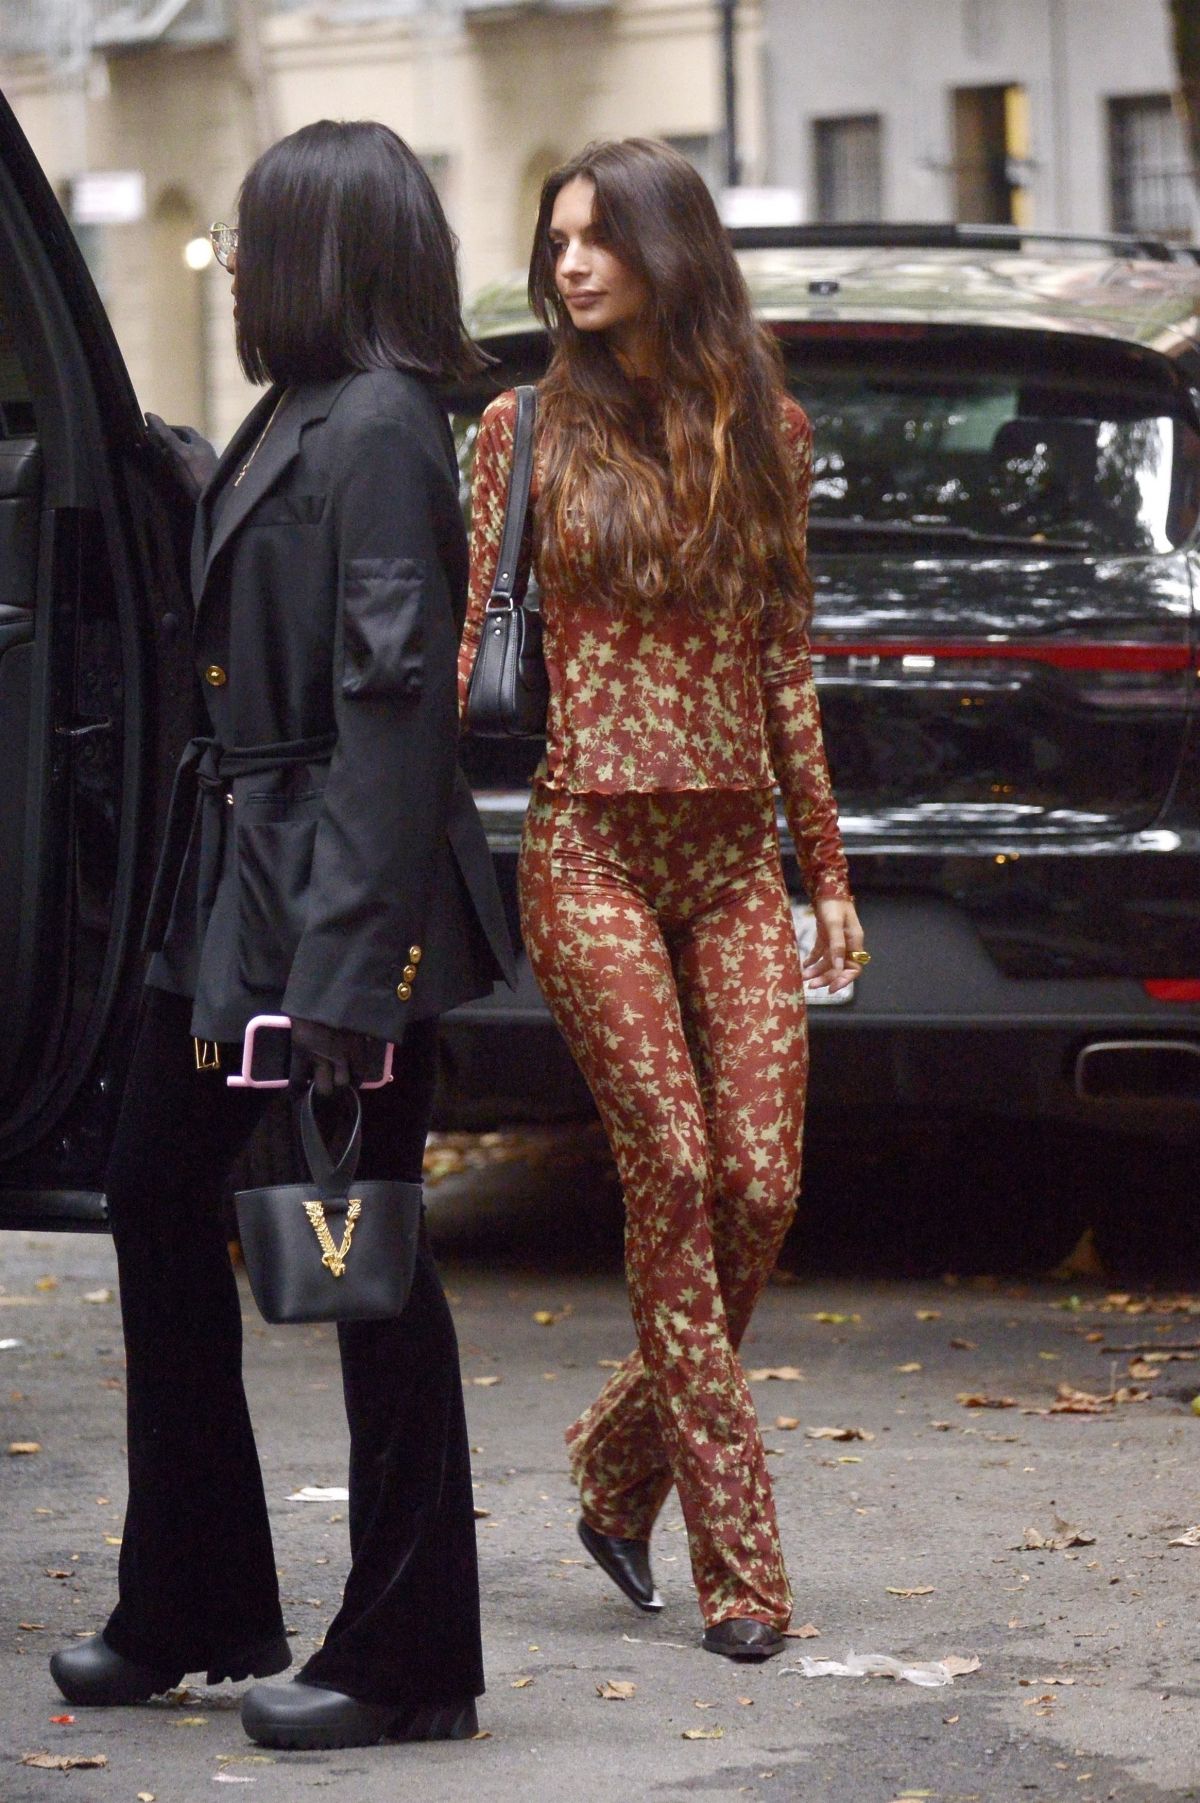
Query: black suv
1004,539
96,696
1006,500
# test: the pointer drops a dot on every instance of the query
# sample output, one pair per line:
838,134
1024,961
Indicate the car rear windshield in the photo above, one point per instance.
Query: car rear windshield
981,445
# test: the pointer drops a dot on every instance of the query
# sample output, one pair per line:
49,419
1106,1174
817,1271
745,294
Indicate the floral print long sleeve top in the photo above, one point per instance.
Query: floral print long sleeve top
668,699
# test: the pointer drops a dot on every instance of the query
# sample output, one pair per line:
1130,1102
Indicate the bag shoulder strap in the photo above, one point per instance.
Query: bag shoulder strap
330,1179
516,505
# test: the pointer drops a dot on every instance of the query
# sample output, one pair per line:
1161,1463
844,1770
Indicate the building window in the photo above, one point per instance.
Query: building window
849,169
1148,167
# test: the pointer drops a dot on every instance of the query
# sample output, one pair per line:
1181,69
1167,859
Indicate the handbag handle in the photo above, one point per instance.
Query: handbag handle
516,504
331,1179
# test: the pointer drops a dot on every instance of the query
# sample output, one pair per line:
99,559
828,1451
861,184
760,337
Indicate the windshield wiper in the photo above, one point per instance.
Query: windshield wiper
942,534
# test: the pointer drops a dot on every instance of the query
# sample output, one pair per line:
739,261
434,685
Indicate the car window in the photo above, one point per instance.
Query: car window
16,407
991,456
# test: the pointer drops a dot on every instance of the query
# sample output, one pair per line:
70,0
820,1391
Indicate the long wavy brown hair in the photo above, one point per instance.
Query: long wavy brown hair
687,497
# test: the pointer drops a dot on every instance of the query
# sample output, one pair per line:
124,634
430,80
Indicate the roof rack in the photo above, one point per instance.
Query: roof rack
905,235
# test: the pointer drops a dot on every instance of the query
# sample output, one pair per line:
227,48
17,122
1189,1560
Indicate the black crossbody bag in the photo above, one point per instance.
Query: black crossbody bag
509,690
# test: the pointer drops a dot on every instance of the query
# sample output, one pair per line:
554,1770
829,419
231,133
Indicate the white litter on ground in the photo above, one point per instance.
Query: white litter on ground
931,1674
320,1493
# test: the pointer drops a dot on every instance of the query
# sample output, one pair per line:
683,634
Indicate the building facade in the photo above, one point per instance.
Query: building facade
490,93
1051,114
1055,114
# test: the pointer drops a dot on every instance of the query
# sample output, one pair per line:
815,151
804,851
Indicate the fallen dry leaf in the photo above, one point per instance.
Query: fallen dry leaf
616,1690
1065,1534
958,1667
912,1365
915,1590
610,1364
484,1734
482,1514
1189,1538
697,1704
929,1314
1083,1260
703,1734
957,1345
1069,1401
145,1796
62,1721
949,1720
784,1374
97,1295
744,1702
484,1383
52,1573
32,1627
1144,1369
46,1283
549,1317
971,1400
807,1632
787,1422
520,1684
64,1762
189,1721
837,1433
829,1319
112,1539
17,1448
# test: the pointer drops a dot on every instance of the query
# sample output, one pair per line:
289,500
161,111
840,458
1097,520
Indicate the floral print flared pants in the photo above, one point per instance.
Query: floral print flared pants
659,929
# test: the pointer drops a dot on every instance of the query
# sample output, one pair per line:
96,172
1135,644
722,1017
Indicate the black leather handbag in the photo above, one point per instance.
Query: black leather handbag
333,1249
509,690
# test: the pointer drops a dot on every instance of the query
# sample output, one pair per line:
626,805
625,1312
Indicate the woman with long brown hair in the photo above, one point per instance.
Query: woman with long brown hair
670,494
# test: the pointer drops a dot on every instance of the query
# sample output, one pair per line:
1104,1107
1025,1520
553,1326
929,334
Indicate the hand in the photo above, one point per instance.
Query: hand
838,934
330,1057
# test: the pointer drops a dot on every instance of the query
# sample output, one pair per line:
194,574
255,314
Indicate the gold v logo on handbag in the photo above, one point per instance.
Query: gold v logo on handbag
333,1257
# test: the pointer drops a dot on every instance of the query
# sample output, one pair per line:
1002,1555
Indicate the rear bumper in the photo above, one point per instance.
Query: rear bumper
934,1028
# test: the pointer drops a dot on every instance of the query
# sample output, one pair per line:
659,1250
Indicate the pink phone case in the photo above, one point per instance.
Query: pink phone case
245,1081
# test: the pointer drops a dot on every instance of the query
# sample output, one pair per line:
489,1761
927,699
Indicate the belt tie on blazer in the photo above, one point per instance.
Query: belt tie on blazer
203,776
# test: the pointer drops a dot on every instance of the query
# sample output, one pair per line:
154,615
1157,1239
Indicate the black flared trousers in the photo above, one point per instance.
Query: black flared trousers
197,1571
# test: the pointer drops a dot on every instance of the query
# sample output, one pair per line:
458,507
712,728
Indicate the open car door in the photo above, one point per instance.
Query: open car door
95,700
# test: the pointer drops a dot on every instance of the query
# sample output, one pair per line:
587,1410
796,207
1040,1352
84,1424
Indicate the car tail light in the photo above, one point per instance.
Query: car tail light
1063,655
1173,989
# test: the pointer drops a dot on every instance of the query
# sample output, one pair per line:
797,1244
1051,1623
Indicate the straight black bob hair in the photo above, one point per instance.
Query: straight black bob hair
345,261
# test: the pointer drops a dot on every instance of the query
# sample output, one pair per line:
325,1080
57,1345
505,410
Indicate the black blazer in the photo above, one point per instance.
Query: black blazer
324,856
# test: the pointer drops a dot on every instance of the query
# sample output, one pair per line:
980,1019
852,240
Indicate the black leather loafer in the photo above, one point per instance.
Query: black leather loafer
626,1562
300,1716
741,1638
92,1674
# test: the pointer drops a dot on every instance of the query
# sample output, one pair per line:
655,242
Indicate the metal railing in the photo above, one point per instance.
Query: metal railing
53,28
61,30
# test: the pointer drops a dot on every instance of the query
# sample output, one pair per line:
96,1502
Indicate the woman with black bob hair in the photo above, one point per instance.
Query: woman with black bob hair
323,860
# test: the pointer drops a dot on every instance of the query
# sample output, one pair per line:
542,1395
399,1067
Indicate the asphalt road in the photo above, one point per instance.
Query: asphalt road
906,1541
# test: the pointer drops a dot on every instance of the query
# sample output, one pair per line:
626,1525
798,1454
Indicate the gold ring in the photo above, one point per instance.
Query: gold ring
860,958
